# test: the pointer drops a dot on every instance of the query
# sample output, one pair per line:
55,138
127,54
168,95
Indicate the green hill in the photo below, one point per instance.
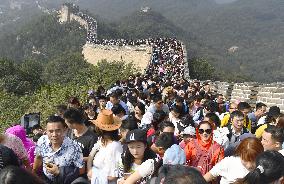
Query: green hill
254,26
146,25
42,38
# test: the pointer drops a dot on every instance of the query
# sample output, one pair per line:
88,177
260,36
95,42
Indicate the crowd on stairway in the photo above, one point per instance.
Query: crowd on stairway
92,26
155,127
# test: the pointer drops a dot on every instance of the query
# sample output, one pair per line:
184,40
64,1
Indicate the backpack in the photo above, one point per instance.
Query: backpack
231,133
201,115
203,160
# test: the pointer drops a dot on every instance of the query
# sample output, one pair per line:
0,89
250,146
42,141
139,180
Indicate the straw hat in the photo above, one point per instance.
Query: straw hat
106,121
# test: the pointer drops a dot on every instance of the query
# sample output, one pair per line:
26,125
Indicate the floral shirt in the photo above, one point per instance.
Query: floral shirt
69,154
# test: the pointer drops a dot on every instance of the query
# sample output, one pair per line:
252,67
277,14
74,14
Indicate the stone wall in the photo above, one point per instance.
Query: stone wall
70,12
139,55
81,21
63,14
270,94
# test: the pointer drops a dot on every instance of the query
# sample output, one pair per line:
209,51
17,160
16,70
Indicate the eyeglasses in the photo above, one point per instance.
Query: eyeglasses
208,131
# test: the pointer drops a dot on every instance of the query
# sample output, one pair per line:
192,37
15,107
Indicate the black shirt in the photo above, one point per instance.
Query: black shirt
86,141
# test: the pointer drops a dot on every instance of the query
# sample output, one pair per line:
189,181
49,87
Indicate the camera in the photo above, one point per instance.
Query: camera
30,120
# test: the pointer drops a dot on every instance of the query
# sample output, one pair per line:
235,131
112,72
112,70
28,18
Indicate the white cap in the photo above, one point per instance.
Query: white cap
189,131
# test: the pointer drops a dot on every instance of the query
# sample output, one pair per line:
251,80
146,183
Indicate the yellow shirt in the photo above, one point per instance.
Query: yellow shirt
225,120
247,124
260,130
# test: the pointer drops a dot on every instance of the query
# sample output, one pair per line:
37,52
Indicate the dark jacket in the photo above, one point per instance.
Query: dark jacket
67,174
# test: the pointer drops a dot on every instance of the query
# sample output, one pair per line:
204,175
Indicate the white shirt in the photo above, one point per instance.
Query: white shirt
153,109
175,121
261,121
230,169
281,151
106,162
146,120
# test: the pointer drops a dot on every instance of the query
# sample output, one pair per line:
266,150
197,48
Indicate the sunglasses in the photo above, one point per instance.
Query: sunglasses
208,131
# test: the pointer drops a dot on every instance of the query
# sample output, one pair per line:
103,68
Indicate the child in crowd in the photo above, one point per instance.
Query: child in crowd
136,153
166,148
187,135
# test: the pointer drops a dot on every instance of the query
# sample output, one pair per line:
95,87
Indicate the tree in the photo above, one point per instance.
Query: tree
31,71
66,69
7,67
106,73
20,78
201,69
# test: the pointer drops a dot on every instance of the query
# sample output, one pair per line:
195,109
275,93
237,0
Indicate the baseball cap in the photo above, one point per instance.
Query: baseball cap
136,135
188,131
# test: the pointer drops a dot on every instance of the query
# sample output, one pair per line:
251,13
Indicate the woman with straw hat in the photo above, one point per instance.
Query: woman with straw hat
103,162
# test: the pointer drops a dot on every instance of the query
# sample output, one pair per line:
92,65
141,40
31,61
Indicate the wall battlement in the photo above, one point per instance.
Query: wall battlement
251,92
70,12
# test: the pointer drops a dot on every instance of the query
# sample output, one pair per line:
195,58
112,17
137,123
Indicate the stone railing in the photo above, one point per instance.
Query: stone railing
270,94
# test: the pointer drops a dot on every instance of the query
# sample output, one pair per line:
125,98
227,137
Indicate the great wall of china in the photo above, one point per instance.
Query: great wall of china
270,94
140,55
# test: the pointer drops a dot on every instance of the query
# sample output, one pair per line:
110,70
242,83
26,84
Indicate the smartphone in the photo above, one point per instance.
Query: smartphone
48,164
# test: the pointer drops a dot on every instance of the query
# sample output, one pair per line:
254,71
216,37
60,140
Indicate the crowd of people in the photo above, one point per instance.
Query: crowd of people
124,42
92,26
150,128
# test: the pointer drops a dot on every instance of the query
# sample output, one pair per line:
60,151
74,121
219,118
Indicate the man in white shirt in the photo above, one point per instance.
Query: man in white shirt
57,154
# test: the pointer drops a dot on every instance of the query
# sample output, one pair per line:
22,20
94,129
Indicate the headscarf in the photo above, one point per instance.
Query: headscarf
29,145
210,141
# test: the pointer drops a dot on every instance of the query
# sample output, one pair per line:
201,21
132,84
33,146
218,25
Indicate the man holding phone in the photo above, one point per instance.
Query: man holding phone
58,154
